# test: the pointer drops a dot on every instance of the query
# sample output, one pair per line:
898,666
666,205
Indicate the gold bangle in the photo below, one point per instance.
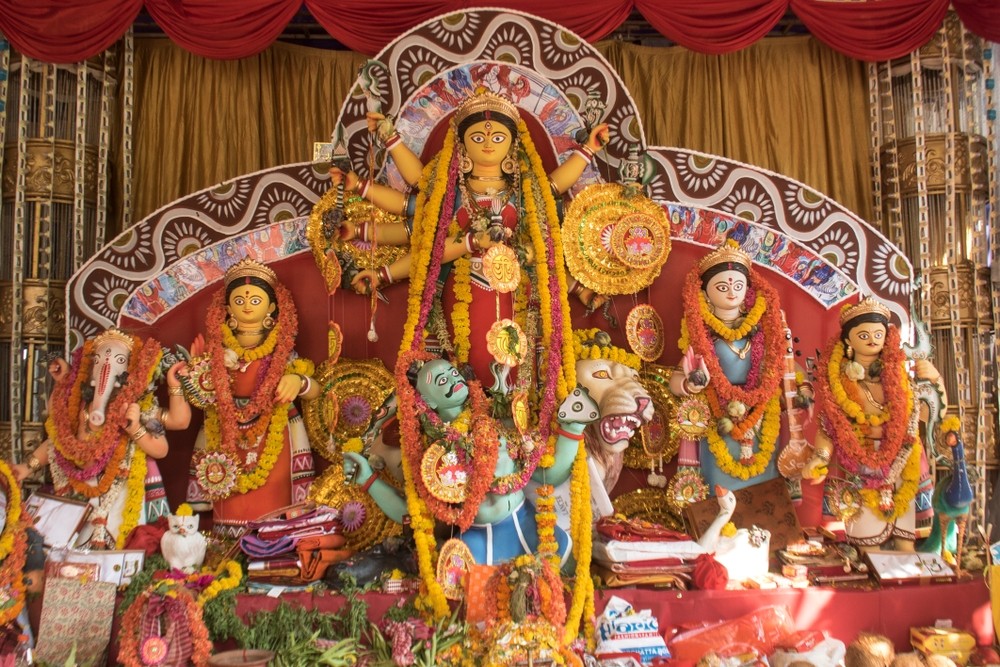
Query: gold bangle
34,463
176,391
824,455
139,432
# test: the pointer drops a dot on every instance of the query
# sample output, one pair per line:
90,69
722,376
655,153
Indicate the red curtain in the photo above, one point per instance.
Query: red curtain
713,26
880,30
65,31
367,27
223,29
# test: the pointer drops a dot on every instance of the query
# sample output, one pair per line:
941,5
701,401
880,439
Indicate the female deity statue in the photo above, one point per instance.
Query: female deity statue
104,431
733,339
880,487
485,189
253,454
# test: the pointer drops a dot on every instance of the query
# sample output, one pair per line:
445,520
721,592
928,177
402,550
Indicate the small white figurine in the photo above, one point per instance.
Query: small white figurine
744,552
183,546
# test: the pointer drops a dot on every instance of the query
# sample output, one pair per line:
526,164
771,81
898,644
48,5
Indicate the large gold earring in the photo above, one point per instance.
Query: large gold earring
231,322
268,322
849,351
509,164
464,161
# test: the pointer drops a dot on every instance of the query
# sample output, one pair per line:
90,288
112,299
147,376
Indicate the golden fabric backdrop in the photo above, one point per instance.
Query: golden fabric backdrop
788,104
199,122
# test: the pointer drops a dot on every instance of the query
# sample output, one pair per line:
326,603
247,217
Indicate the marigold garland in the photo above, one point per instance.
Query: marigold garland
176,602
901,497
228,575
100,453
845,420
581,522
768,415
261,423
135,496
14,547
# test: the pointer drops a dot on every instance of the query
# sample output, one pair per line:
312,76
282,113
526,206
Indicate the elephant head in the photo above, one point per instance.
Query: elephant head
112,350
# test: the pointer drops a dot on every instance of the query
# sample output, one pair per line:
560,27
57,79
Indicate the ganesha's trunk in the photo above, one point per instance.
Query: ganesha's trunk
104,384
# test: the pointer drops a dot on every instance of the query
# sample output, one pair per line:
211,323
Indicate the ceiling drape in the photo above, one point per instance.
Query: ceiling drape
63,31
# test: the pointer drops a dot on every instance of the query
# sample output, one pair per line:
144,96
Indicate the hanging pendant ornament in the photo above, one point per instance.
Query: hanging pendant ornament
453,566
639,241
644,331
444,476
520,411
506,342
501,268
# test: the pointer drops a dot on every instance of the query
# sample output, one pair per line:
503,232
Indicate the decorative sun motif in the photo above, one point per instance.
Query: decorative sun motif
559,47
456,30
81,329
750,202
890,271
280,203
839,247
577,86
417,65
510,44
318,182
226,201
133,250
700,173
109,293
181,238
806,206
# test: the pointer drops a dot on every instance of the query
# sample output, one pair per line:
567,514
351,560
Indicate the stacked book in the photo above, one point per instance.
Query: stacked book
822,563
629,552
294,549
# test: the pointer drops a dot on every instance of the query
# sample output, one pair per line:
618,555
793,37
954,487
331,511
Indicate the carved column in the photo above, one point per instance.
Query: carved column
936,189
55,148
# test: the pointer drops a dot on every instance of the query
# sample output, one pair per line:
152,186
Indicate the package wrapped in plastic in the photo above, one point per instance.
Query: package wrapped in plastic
620,629
757,632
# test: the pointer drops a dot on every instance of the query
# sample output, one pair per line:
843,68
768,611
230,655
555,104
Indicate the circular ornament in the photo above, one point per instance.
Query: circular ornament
444,476
453,566
686,487
198,388
153,651
693,416
640,241
216,474
334,342
501,268
506,342
843,499
361,387
333,490
658,438
589,228
644,331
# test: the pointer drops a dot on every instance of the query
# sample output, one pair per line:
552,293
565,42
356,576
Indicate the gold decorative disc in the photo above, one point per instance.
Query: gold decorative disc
332,490
453,566
693,415
506,342
334,342
644,331
520,411
686,487
660,437
640,241
445,478
501,268
588,238
198,387
648,504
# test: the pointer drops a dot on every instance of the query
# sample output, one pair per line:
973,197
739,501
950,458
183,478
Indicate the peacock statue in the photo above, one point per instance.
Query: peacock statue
952,498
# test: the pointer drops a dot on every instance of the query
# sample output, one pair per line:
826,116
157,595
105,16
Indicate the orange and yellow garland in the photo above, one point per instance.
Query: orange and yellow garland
13,549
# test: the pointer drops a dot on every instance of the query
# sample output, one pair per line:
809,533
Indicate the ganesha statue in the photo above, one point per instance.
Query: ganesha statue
105,431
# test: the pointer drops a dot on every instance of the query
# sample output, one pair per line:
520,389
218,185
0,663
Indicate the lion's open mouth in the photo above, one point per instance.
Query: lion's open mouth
619,427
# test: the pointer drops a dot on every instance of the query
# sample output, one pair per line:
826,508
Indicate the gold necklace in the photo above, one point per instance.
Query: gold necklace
486,179
868,394
250,332
741,353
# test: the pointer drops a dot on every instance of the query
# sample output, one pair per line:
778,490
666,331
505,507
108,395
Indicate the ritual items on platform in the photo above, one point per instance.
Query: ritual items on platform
898,568
767,505
633,551
255,455
733,331
294,548
948,642
867,450
104,430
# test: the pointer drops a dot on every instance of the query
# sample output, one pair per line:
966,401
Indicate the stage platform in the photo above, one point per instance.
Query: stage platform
843,613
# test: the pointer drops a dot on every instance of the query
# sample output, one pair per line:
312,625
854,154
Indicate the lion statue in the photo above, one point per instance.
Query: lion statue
624,405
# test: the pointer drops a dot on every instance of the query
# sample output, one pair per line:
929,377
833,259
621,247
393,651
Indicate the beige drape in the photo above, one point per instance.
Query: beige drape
790,105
